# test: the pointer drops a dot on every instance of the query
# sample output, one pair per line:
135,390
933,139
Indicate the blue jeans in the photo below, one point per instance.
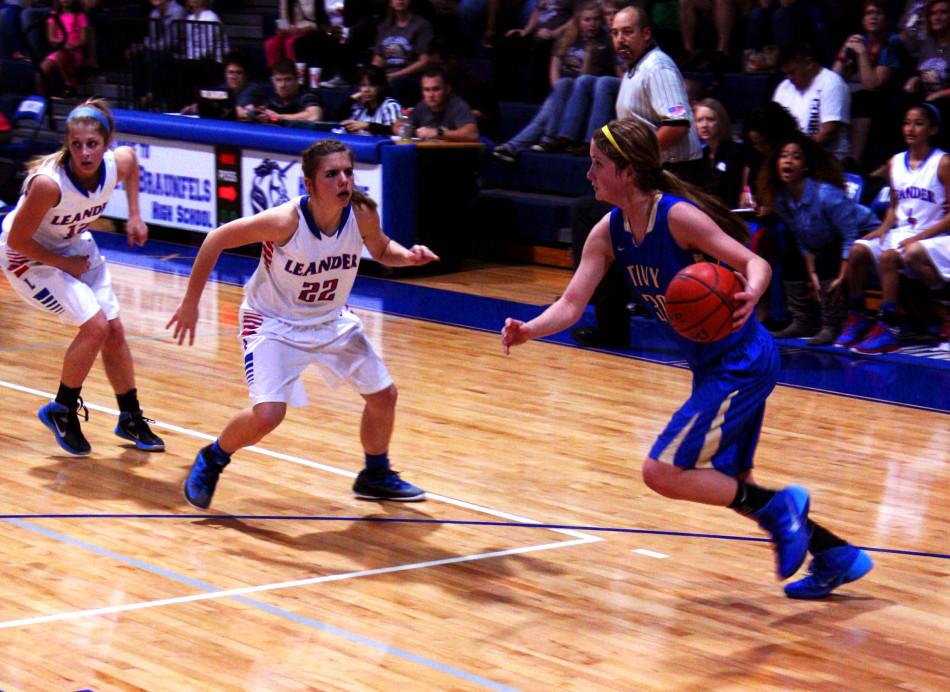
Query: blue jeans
545,122
590,106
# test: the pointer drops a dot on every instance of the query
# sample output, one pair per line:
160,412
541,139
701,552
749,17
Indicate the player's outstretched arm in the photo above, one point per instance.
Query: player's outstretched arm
275,225
384,249
567,309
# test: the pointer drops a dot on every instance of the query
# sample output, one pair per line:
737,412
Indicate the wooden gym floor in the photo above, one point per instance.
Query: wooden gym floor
539,562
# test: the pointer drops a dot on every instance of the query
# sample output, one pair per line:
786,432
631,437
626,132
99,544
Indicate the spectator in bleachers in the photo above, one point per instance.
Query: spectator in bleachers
374,111
470,81
816,97
694,12
932,80
584,49
772,24
66,29
163,13
441,114
297,19
873,63
591,103
912,25
526,51
12,42
200,42
402,49
805,187
762,130
913,238
286,103
721,155
231,97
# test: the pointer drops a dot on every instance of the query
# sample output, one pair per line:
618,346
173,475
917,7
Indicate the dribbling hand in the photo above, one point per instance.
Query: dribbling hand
184,319
746,300
136,231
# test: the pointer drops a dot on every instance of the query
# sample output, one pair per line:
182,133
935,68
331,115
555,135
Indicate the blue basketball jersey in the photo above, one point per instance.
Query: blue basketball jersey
651,265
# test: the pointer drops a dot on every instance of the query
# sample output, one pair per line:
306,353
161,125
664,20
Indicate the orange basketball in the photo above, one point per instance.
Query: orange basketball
700,303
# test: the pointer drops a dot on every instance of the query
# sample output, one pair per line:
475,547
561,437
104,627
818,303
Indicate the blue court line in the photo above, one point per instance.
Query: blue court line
447,522
273,610
898,379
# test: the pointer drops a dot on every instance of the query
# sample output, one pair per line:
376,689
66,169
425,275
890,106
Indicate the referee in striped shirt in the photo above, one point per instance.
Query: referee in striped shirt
653,91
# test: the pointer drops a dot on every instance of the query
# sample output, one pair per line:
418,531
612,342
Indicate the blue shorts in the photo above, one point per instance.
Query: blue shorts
719,424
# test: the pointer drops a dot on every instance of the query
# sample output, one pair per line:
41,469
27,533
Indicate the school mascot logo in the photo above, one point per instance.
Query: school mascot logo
270,185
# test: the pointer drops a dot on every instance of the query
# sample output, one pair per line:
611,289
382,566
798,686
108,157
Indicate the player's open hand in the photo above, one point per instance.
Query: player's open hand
513,334
184,319
420,254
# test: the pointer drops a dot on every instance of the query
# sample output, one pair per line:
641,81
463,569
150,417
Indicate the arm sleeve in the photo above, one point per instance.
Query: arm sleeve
841,213
668,97
836,103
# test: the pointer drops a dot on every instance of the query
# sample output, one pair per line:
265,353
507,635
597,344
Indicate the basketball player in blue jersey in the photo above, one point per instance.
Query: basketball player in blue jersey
659,226
53,263
294,313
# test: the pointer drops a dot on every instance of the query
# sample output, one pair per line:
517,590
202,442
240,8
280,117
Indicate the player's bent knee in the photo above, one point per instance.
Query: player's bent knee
661,478
269,415
96,328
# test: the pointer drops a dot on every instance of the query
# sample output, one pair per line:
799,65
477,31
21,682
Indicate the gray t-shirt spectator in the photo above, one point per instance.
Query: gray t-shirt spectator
400,46
296,104
455,114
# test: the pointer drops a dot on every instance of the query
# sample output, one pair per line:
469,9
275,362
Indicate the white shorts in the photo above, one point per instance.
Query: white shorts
937,247
75,301
276,354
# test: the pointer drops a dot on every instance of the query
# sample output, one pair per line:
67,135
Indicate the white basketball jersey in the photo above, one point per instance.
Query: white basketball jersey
307,280
63,229
921,197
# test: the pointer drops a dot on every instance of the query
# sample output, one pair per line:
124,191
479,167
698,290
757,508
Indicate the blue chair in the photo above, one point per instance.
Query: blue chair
24,143
881,201
855,185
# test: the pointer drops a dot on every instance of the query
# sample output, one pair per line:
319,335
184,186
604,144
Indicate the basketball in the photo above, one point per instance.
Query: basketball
699,301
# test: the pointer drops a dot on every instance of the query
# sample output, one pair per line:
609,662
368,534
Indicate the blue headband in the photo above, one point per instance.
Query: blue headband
90,112
934,111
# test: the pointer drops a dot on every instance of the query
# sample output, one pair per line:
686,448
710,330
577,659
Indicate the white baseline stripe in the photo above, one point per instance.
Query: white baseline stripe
243,591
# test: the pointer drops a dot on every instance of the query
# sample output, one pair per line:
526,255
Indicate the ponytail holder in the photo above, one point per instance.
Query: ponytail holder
610,138
90,112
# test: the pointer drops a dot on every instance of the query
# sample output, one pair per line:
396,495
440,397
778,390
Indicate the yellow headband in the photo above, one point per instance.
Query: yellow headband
610,138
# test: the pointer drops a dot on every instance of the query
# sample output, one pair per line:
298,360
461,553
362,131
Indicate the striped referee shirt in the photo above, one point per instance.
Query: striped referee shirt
653,90
386,114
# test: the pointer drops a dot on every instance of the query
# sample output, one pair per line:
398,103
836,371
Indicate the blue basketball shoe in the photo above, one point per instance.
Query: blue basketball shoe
386,485
65,426
855,330
134,428
203,478
881,339
785,517
828,570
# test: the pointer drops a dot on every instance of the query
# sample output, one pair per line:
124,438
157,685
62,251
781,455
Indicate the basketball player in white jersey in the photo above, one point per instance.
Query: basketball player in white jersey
294,313
53,264
913,235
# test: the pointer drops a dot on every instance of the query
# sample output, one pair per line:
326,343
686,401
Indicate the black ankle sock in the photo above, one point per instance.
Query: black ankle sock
68,396
129,402
821,538
750,498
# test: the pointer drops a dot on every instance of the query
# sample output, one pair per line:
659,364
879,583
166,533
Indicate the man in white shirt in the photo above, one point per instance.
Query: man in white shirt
817,98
